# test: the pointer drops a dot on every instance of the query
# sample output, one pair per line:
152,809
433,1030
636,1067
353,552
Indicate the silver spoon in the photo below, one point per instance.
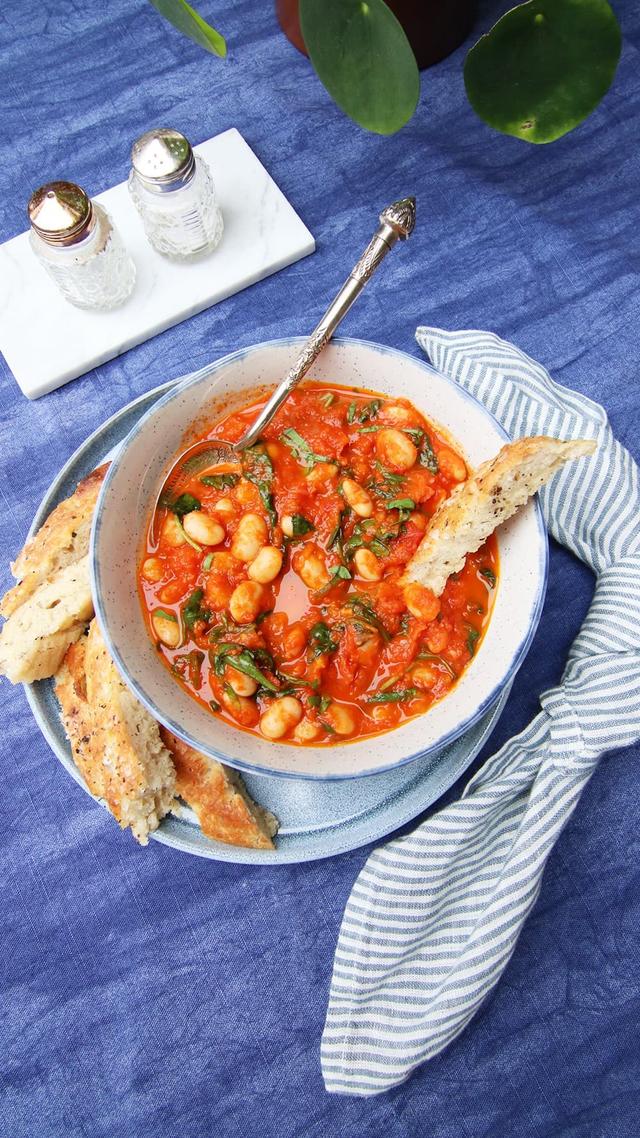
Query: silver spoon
397,222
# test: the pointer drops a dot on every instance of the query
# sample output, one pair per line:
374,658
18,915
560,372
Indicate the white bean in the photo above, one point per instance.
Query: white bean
283,714
361,503
266,566
309,564
241,684
323,474
171,532
167,630
395,449
224,508
202,528
249,537
367,564
287,525
246,602
340,719
152,569
306,731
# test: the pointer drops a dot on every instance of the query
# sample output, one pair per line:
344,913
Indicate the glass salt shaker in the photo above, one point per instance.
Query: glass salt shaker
174,194
75,241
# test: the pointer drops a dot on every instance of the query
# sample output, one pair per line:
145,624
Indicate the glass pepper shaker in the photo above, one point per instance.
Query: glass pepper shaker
174,194
75,241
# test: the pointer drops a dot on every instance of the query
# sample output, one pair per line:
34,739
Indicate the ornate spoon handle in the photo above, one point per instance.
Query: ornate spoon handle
397,221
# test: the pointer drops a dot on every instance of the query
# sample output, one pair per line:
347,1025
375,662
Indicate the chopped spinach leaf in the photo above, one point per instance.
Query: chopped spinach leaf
489,576
207,563
472,639
193,609
351,412
320,639
214,705
361,608
340,571
427,456
370,410
300,525
300,448
438,660
401,504
242,661
220,481
416,434
394,696
258,468
184,505
321,702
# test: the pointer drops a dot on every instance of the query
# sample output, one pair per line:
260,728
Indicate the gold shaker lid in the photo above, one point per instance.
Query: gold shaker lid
163,159
60,213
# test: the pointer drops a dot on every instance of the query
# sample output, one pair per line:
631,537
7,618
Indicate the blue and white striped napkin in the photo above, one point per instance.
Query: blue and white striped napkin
434,917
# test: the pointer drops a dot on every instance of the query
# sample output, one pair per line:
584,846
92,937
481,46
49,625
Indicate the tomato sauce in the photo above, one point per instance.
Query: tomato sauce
272,585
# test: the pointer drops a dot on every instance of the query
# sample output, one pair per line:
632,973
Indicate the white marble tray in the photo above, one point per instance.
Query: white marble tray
46,341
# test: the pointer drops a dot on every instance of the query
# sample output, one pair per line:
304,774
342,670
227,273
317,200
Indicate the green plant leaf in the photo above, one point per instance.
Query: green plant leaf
363,57
544,67
190,23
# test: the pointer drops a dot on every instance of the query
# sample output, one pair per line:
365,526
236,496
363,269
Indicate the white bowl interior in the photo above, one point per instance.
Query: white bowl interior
124,509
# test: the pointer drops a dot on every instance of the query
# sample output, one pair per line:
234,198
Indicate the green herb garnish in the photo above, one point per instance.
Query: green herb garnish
427,456
328,399
351,412
193,609
438,660
165,615
416,434
258,468
242,661
370,410
401,504
300,525
362,609
184,505
207,563
320,639
472,639
340,571
394,696
489,576
220,481
321,702
300,448
214,705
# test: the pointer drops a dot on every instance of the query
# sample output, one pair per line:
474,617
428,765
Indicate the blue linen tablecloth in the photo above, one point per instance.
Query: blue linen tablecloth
144,992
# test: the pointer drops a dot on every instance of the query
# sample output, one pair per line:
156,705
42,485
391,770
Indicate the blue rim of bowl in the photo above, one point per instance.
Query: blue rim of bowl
256,768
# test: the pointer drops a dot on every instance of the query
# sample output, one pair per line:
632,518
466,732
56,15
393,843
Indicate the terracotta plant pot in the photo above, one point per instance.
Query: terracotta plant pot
434,28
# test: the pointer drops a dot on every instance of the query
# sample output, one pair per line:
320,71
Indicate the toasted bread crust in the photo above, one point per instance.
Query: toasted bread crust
132,766
217,794
62,540
464,520
36,636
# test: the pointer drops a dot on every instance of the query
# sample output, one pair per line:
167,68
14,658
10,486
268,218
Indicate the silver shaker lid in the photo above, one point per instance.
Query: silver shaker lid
163,159
60,213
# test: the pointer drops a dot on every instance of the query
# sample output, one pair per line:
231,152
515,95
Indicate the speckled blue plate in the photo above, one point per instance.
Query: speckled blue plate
317,819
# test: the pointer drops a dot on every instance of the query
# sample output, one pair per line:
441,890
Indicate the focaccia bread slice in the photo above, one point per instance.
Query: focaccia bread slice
464,520
219,797
62,540
126,762
36,636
